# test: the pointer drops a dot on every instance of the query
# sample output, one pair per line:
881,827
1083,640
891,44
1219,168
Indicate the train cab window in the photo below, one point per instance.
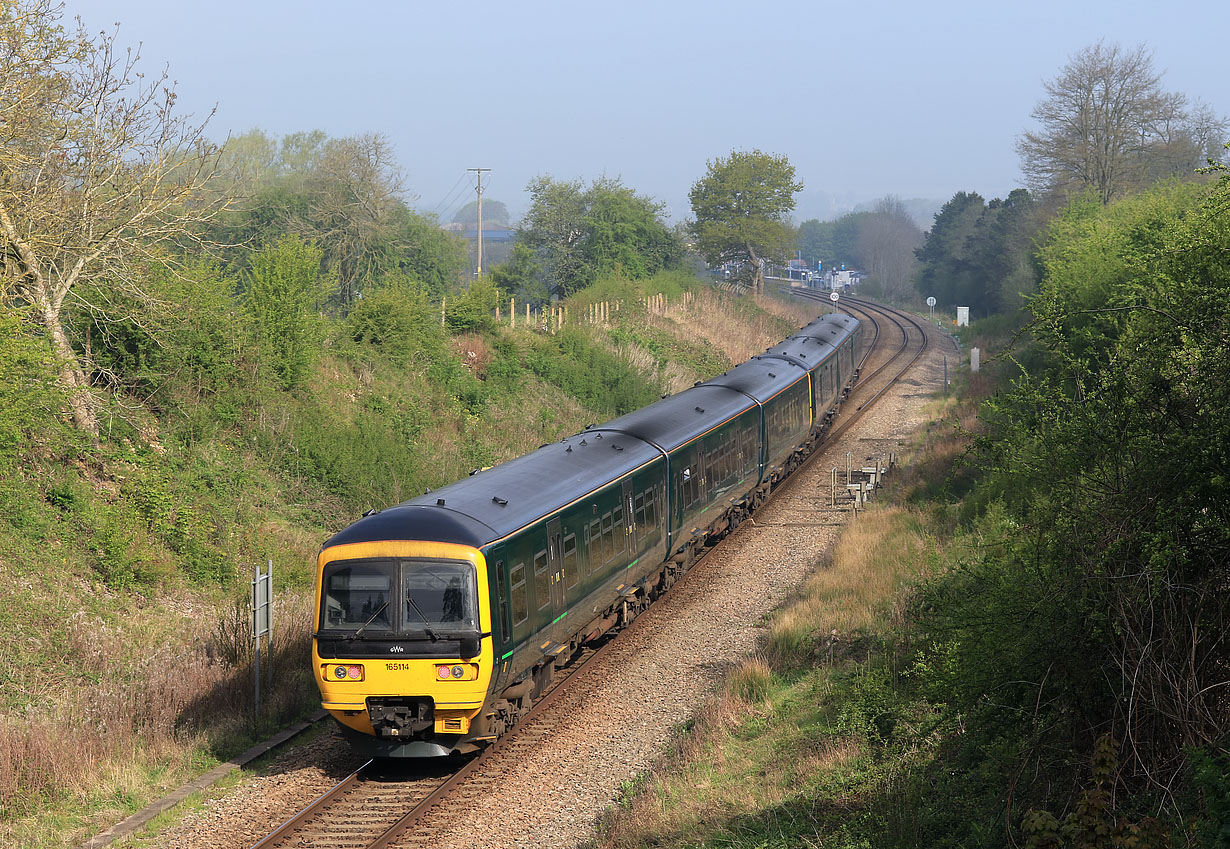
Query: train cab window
542,585
571,561
439,593
358,595
519,594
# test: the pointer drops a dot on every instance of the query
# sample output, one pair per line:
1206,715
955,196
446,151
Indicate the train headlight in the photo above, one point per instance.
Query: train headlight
457,672
345,673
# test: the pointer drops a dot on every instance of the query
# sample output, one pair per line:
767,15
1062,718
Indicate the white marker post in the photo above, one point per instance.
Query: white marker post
262,625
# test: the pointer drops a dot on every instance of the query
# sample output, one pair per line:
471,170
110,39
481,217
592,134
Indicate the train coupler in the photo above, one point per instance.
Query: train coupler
400,718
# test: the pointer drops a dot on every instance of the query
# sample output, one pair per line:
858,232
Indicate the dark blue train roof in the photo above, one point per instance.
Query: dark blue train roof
678,419
760,377
832,328
495,502
806,351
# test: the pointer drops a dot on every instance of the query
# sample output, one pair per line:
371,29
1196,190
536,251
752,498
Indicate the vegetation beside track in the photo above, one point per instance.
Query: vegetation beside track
1048,666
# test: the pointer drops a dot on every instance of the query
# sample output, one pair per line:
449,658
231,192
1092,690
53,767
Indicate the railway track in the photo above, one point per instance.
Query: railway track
382,805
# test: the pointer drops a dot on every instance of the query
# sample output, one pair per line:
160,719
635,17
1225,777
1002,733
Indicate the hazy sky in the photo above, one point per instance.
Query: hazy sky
865,97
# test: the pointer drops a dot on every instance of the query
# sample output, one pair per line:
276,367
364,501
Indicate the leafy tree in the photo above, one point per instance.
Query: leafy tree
742,206
346,196
494,212
99,177
944,256
625,232
475,310
521,276
397,320
553,229
577,233
1095,601
421,250
814,241
282,289
1106,125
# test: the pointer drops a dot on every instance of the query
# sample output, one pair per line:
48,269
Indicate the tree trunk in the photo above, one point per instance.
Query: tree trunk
72,376
757,274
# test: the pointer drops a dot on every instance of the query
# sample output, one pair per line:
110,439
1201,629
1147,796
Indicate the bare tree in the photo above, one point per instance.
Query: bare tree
1107,125
886,242
98,177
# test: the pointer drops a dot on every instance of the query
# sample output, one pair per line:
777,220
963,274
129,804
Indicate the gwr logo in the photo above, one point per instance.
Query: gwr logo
397,649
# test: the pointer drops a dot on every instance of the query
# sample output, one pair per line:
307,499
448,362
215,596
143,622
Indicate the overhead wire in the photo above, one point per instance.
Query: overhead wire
448,198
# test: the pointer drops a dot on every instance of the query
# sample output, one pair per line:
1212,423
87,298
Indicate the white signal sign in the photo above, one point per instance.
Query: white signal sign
834,296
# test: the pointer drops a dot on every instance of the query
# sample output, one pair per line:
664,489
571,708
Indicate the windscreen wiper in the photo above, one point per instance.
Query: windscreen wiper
369,621
426,621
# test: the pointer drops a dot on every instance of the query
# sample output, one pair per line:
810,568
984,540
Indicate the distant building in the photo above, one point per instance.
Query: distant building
497,241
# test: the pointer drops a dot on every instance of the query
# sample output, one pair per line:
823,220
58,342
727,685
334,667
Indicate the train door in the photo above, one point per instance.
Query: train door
555,565
501,613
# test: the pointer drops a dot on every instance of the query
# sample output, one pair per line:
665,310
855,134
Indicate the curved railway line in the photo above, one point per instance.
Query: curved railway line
403,804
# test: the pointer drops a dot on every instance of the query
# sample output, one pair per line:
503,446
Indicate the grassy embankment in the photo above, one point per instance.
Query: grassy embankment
123,569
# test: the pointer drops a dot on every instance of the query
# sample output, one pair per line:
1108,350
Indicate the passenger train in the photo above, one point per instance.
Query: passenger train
439,621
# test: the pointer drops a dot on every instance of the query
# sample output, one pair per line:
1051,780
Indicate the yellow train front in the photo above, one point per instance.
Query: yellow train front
402,650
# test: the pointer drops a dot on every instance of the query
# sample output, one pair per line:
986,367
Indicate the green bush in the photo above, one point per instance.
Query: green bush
398,322
591,374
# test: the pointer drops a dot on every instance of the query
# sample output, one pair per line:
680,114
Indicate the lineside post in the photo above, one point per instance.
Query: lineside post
262,626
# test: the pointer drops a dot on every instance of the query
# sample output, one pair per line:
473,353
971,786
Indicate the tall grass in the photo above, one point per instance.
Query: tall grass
851,591
119,734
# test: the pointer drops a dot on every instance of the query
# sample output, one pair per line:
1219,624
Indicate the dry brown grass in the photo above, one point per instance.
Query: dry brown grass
853,591
138,719
727,327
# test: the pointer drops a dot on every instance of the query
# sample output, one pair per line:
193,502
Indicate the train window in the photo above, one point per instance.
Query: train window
646,521
520,598
542,585
595,545
638,512
618,537
571,570
608,539
502,594
358,596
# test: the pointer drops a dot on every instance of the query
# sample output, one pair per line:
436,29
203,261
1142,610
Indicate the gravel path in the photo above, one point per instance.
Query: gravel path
649,687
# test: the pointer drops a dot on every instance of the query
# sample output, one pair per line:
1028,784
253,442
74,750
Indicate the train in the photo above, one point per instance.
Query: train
441,620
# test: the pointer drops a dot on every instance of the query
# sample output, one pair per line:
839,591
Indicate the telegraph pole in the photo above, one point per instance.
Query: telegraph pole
479,172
